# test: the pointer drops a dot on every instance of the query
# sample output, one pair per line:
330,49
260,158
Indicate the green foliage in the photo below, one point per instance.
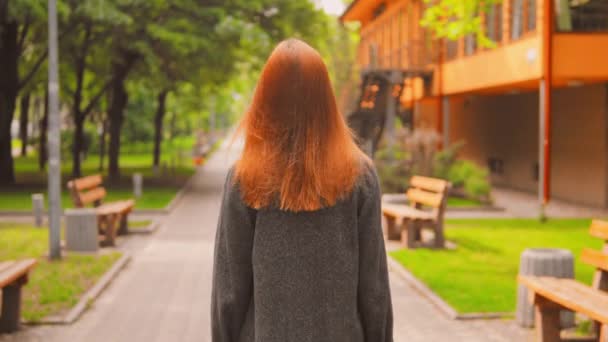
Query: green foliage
454,19
472,178
463,174
416,154
394,169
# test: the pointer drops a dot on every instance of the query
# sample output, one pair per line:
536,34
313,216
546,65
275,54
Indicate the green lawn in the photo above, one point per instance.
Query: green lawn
159,188
154,197
54,287
459,202
480,275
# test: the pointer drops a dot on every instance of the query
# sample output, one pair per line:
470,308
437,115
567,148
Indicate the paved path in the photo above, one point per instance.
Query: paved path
163,294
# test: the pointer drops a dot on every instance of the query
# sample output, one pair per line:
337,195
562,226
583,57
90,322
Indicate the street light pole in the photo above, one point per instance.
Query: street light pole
53,137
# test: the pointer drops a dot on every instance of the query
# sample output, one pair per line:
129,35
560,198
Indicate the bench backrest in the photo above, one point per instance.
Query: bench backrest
598,259
87,190
426,191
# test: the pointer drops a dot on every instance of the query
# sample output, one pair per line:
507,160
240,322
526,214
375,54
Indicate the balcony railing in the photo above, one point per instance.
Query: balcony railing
410,55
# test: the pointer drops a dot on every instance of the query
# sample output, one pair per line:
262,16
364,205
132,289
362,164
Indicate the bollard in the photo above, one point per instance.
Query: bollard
81,230
138,181
38,208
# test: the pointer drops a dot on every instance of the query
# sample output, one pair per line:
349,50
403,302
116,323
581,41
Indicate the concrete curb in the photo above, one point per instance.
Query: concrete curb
89,296
439,303
151,228
485,208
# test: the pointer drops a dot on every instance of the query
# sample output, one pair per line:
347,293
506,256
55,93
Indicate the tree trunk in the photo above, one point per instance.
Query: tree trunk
158,125
102,142
116,114
23,122
9,85
118,103
44,122
77,144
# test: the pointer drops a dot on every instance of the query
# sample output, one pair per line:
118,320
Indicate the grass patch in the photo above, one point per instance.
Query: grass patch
54,287
139,225
480,275
157,197
158,191
459,202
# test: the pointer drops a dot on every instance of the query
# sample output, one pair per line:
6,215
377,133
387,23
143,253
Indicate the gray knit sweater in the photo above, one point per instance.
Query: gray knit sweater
316,276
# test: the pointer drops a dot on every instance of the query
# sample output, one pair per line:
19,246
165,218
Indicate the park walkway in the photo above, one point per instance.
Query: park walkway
163,294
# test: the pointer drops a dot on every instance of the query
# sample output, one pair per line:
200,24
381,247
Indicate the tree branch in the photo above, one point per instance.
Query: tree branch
33,70
96,98
38,63
23,33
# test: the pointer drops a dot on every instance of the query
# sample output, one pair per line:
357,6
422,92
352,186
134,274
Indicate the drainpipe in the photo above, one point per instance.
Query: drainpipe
545,108
441,129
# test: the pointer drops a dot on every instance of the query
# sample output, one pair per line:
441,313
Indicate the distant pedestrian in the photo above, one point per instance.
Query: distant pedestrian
299,251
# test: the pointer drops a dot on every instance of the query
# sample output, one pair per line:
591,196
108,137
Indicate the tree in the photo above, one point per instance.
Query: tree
23,122
21,56
453,19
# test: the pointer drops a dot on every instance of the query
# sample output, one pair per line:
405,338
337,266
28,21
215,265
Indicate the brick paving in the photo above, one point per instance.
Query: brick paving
163,294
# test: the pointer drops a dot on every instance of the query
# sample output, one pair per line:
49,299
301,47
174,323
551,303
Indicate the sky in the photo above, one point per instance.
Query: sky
335,7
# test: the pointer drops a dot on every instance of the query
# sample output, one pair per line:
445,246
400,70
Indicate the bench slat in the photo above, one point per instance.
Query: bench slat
92,196
570,294
5,265
404,211
425,197
85,182
119,207
15,270
428,183
599,229
595,258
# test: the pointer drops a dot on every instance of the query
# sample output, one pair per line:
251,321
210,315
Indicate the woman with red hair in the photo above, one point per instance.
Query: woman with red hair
299,251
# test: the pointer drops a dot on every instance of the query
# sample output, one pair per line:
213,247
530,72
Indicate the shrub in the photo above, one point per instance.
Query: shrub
416,154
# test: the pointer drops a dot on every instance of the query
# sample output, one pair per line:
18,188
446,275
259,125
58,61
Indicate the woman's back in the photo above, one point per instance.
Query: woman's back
299,252
308,276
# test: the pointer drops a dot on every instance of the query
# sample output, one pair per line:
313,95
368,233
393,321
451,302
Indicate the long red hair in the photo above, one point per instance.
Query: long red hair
299,153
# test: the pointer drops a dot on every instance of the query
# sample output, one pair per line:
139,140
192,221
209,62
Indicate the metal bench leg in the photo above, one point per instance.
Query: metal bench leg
111,229
392,232
124,225
408,234
546,320
11,306
439,236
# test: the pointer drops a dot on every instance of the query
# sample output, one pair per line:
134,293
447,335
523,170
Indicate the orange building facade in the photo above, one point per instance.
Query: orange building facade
495,99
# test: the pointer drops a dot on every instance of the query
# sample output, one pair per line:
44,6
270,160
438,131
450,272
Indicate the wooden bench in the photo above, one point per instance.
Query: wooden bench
13,275
112,218
405,222
550,295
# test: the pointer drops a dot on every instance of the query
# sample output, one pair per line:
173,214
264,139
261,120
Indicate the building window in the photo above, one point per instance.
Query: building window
494,23
531,16
496,166
451,49
470,44
581,15
517,12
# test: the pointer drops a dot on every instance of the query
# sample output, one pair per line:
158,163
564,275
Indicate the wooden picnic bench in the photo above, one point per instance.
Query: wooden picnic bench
112,217
13,275
551,295
405,222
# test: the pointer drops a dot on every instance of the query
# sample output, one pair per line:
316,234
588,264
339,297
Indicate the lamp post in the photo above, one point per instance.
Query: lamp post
53,136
